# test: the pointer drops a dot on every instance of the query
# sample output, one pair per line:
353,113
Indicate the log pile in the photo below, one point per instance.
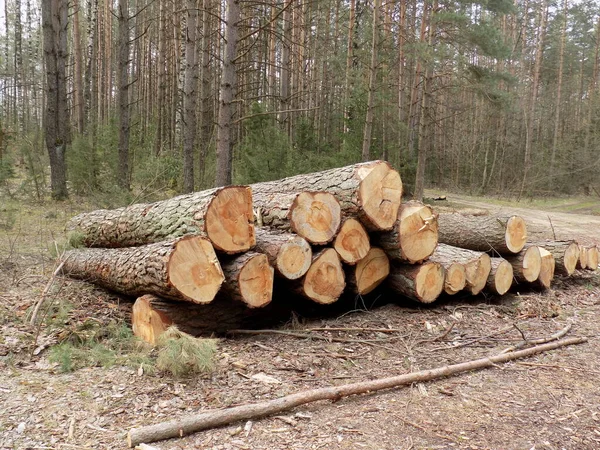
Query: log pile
229,257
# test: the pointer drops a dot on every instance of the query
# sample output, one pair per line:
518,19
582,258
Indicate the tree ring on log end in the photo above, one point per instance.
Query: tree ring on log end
571,257
516,234
352,242
429,281
532,262
547,267
477,272
325,281
456,279
316,216
229,221
294,258
147,323
417,231
592,258
256,281
194,269
380,195
503,277
372,270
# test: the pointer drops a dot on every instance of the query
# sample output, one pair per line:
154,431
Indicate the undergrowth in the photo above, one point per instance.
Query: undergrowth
182,355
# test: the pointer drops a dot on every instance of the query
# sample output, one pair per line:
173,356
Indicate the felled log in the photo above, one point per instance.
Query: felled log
325,281
546,268
501,276
499,234
421,282
582,263
369,272
592,258
414,236
456,275
565,253
526,264
352,241
216,418
289,254
249,279
314,215
152,315
370,191
477,265
223,215
183,269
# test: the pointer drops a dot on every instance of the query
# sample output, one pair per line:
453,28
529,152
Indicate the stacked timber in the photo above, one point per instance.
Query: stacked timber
229,257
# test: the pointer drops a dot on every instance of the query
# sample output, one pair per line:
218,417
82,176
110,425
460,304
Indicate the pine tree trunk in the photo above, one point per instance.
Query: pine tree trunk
123,94
366,145
79,102
186,269
189,96
289,254
248,279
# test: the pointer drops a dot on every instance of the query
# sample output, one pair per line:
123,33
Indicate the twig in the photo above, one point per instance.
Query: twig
306,336
551,226
38,305
215,418
474,341
554,337
358,329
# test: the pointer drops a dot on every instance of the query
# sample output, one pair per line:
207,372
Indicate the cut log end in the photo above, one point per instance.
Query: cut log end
256,281
371,271
571,257
316,216
592,258
229,220
546,268
430,281
194,269
501,279
418,231
147,323
516,234
352,241
477,272
294,258
532,264
583,257
380,195
456,279
325,281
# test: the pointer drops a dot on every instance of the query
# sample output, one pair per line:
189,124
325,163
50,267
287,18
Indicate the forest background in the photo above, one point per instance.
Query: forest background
121,99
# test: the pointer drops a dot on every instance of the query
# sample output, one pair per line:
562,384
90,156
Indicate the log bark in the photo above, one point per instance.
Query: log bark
565,253
504,235
352,242
215,418
289,254
369,272
477,265
414,236
183,269
152,315
592,258
546,268
370,191
501,276
423,283
325,280
527,264
249,279
224,215
314,215
456,274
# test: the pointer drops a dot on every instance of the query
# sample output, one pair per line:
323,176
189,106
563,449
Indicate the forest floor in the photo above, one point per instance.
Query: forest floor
550,401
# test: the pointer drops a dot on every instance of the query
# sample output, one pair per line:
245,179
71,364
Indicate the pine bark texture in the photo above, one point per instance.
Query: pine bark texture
184,269
316,215
368,273
370,191
249,279
565,253
414,236
501,276
423,282
224,215
500,234
477,265
352,242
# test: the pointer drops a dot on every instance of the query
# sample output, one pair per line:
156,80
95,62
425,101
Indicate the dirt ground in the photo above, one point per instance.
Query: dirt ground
550,401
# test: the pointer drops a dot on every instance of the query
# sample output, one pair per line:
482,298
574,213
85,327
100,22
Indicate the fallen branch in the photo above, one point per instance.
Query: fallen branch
526,342
216,418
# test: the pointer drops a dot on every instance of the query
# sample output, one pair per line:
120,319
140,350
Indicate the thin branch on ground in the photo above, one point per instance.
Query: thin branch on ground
559,334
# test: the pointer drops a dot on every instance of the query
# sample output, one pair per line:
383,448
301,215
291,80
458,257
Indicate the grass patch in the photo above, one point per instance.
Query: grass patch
183,355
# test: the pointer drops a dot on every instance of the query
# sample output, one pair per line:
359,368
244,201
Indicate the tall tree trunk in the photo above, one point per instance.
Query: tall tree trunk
123,94
561,59
79,105
589,129
206,116
349,53
189,96
284,76
18,75
161,118
366,145
54,23
227,90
